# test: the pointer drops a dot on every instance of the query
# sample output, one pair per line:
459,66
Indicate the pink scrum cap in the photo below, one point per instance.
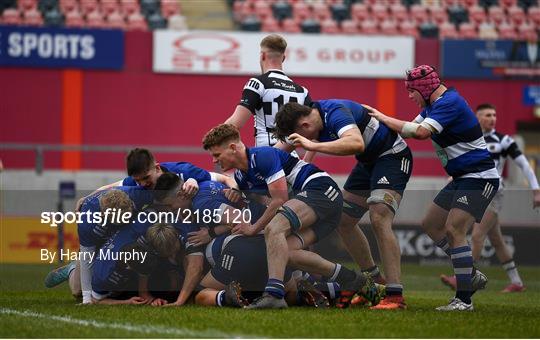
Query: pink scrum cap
423,79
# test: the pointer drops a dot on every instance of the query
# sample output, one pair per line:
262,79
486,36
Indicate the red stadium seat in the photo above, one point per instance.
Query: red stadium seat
129,7
389,27
409,27
349,27
69,5
477,14
507,3
26,5
95,20
290,26
136,22
534,15
32,17
177,22
74,19
379,11
438,14
419,13
516,15
262,10
369,27
359,12
486,30
525,30
496,14
116,20
447,30
11,16
88,6
329,26
270,24
170,7
399,12
507,31
321,11
301,11
467,30
109,6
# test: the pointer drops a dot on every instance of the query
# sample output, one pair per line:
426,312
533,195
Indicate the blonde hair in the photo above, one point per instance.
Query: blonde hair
164,239
116,199
274,43
220,134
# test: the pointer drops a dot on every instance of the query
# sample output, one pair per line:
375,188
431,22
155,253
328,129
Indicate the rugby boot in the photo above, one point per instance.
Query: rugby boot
267,301
310,295
456,305
59,275
233,295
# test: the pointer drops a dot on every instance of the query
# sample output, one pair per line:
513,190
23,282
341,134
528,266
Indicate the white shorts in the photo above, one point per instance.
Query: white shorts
496,202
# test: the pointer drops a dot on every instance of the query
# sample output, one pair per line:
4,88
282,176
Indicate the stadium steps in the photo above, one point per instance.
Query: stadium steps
207,14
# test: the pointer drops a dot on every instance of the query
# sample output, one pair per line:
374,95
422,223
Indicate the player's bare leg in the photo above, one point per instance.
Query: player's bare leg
480,232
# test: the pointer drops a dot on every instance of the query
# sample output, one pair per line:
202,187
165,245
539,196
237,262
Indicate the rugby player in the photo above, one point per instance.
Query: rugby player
459,143
500,146
376,183
311,215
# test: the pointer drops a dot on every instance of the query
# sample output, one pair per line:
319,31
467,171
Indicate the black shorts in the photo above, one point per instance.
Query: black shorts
323,195
243,259
387,172
472,195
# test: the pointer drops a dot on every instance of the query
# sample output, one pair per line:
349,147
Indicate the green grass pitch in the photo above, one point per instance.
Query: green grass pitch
27,309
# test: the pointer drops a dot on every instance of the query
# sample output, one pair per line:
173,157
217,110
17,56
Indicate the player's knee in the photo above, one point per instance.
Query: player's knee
380,216
353,210
384,197
477,238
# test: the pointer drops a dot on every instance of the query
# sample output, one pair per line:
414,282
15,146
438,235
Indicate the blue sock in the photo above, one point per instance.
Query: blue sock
276,288
394,289
444,245
462,262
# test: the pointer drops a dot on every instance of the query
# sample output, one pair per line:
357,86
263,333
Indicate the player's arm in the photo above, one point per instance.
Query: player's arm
521,161
309,156
284,146
136,300
278,196
239,117
349,143
194,269
406,129
224,179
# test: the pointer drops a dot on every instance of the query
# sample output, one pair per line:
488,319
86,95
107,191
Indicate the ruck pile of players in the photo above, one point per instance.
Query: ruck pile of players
244,240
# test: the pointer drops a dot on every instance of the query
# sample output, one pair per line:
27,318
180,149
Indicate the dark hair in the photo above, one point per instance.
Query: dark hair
219,135
287,118
139,161
485,106
166,185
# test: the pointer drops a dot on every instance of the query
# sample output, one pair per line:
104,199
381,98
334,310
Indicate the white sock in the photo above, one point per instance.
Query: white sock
512,272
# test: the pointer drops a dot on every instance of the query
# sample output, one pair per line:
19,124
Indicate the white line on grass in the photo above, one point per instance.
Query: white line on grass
147,329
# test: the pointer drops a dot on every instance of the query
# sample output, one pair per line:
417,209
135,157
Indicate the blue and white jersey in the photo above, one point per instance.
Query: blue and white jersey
458,138
108,272
340,115
95,234
215,248
267,164
210,197
183,169
183,230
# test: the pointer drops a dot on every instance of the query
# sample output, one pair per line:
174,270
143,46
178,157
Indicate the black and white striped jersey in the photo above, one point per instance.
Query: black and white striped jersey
500,147
264,95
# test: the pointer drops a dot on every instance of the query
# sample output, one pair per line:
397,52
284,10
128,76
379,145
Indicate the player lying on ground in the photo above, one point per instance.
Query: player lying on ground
376,184
289,225
457,137
500,146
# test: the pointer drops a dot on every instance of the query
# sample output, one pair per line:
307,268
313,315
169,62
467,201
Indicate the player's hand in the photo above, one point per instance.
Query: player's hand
79,204
158,302
190,188
136,300
299,140
373,112
233,195
244,229
173,304
536,198
199,238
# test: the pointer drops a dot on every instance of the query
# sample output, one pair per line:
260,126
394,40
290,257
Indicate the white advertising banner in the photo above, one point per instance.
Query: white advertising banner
213,52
